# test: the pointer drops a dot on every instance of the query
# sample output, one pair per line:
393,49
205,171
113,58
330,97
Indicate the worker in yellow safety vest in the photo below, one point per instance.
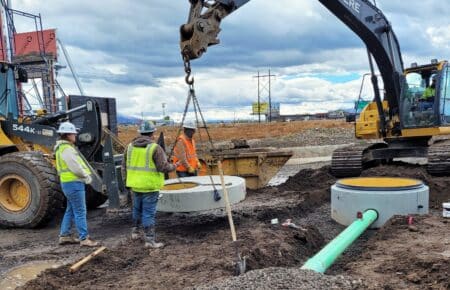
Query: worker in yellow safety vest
185,153
74,173
427,99
143,168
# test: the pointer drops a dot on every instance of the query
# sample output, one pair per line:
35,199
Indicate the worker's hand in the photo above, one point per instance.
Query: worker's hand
177,164
88,179
191,170
199,165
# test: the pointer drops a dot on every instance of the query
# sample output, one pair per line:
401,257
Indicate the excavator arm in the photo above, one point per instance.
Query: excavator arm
361,16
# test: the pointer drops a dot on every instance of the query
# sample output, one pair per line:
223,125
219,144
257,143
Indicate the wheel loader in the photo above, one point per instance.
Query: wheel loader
405,118
30,194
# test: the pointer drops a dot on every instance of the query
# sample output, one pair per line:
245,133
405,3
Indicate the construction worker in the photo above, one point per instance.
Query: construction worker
185,152
427,99
145,164
74,173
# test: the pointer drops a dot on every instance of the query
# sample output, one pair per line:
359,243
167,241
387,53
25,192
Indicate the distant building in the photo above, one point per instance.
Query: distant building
338,114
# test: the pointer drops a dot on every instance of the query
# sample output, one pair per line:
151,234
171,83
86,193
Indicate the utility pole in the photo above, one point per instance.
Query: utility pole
269,90
270,99
259,104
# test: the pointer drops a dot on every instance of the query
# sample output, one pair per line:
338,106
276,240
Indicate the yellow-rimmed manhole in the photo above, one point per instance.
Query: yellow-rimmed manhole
389,196
380,183
15,193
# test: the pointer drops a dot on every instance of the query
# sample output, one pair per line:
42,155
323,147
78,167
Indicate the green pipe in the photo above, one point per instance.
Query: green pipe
329,254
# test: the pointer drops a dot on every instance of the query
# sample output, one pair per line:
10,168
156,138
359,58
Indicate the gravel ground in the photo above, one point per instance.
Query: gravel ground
286,278
309,137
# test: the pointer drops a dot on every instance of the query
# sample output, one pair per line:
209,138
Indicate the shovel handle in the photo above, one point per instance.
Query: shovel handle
227,202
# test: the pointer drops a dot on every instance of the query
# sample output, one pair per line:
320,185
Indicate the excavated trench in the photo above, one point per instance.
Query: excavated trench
199,250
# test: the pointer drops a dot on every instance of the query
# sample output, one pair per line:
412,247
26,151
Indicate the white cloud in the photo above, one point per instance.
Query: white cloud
129,50
439,36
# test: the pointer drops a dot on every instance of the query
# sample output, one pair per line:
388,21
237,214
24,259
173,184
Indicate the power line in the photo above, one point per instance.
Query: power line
268,79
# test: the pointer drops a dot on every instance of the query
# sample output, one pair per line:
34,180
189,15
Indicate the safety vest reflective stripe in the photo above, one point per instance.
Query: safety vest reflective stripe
142,174
147,167
190,152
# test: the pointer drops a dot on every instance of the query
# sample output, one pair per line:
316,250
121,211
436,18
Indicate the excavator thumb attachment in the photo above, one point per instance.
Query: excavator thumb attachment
202,30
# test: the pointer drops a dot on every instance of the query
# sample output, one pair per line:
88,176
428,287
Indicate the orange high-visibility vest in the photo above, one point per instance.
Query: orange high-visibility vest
191,153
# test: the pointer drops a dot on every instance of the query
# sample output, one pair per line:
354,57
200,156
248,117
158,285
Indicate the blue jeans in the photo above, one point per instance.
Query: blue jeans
76,209
144,208
423,106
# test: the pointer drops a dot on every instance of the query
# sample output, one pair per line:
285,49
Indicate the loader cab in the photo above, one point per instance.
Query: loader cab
8,91
425,100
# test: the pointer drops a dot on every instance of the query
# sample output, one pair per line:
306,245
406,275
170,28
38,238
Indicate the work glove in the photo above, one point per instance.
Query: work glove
87,179
191,170
199,165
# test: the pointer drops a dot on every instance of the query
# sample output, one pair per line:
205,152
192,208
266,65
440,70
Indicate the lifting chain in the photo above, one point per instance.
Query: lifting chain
187,69
197,111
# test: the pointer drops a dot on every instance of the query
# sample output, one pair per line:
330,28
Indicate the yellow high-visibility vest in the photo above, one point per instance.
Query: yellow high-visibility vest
65,175
142,175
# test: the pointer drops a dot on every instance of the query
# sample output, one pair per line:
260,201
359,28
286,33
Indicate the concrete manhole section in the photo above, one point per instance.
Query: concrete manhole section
191,194
389,196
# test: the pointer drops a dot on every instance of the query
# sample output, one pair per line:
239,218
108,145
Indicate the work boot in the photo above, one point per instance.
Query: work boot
150,239
135,233
67,240
88,242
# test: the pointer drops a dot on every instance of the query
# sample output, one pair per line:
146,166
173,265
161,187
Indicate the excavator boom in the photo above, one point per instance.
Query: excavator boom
361,16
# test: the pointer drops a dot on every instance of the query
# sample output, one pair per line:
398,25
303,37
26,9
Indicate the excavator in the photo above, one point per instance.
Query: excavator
30,194
404,121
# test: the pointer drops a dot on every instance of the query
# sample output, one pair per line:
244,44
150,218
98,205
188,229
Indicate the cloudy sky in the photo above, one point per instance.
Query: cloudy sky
129,50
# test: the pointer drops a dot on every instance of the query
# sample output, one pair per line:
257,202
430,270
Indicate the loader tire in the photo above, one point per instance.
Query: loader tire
94,199
30,194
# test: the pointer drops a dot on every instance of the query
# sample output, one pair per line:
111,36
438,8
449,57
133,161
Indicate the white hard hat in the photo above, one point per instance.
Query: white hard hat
67,128
190,125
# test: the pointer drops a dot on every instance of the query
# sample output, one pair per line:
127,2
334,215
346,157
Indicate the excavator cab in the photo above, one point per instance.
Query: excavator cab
425,96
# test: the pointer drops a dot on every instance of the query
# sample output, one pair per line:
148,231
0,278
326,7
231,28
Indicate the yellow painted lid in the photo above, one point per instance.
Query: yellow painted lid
379,183
179,186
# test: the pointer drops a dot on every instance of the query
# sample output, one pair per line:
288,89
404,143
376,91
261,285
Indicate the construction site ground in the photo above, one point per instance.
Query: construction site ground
199,254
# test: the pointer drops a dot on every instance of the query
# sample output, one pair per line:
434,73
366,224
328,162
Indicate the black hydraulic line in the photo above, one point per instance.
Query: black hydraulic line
377,96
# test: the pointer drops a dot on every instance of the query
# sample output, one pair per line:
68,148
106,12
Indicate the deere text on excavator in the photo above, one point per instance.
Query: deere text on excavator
406,118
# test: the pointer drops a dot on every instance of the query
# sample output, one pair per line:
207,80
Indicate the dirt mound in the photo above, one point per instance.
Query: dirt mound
439,186
310,180
195,254
400,256
199,250
424,272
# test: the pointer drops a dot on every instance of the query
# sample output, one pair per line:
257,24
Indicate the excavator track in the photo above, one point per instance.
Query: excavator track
439,159
350,161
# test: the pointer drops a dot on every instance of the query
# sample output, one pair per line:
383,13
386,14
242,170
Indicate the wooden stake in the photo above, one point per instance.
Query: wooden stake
227,202
75,267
